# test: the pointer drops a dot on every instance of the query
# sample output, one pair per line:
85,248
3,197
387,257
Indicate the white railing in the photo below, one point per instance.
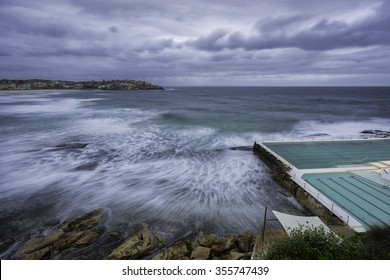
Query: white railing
285,162
319,138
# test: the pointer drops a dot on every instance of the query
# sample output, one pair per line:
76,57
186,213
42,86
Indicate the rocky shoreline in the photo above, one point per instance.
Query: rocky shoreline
39,84
86,237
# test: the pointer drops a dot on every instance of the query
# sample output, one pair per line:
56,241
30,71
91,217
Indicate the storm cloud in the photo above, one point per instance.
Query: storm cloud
188,42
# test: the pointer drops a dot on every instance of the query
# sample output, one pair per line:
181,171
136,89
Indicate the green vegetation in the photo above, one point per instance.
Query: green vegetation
37,84
317,244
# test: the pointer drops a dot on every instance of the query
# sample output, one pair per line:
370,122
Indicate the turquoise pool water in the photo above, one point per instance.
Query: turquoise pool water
364,199
327,154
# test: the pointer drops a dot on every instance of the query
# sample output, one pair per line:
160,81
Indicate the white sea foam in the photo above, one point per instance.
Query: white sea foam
98,126
342,128
44,106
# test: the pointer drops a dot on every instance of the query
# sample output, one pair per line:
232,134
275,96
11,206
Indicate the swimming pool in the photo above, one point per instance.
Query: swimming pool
365,199
327,154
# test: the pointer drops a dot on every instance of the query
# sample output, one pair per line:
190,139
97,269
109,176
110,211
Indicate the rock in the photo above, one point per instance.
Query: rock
376,132
38,255
223,245
52,223
5,244
67,242
207,240
159,238
71,146
37,244
241,148
90,166
200,253
87,221
76,239
135,246
114,234
244,242
235,256
87,238
176,252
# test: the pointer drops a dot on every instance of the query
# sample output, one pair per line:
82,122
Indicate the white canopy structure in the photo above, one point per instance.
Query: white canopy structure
290,222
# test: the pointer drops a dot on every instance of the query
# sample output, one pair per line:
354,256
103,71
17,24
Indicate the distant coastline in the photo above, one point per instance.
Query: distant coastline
39,84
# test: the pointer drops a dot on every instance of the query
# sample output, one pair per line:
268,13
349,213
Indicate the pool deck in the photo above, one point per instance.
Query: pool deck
342,175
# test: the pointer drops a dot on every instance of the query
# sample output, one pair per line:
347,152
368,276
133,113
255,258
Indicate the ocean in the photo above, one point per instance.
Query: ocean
180,157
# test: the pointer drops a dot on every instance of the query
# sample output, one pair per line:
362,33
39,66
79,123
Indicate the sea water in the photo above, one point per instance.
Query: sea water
178,157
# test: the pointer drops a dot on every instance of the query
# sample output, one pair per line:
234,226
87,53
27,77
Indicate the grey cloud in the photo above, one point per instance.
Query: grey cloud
179,40
211,41
156,45
113,29
279,23
324,35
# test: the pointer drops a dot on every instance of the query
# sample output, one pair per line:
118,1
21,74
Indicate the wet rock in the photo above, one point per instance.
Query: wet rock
135,246
87,221
159,238
37,244
207,240
114,234
5,244
241,148
176,252
223,245
71,146
90,166
377,133
67,242
76,240
244,242
235,256
38,255
200,253
87,238
51,223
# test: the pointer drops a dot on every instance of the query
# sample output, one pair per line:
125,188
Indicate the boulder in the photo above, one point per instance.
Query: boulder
200,253
87,221
71,146
207,240
37,244
115,234
244,242
38,255
5,244
135,246
90,166
79,232
223,245
87,238
67,242
235,256
176,252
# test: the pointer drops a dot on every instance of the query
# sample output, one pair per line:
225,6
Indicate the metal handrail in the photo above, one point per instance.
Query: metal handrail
319,138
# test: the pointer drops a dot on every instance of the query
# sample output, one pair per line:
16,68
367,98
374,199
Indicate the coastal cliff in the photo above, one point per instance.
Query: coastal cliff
38,84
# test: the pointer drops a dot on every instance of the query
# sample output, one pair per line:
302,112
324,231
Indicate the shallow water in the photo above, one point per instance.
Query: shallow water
162,157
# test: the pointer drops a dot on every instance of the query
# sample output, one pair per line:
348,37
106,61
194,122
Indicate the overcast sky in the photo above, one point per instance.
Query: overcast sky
198,42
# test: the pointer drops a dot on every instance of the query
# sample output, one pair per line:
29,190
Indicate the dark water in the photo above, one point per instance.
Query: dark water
162,157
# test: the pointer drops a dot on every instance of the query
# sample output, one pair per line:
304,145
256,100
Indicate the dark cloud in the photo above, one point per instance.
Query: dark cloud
324,34
211,42
113,29
197,42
